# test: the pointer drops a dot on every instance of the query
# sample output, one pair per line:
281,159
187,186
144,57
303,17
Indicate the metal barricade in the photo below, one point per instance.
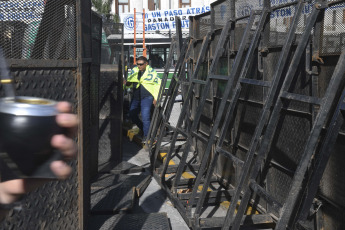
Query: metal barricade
51,53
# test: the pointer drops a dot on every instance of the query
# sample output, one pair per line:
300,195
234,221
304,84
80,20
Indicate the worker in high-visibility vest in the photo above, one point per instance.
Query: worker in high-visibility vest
145,83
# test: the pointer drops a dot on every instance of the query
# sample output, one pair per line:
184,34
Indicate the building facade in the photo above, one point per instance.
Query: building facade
159,25
127,6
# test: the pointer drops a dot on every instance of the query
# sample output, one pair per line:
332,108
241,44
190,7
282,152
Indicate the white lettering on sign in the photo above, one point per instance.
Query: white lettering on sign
162,20
26,11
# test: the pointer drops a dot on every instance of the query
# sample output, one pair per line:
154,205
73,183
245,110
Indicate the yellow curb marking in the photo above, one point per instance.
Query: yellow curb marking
187,175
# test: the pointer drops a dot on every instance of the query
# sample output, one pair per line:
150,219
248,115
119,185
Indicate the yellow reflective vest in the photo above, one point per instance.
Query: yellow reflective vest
149,80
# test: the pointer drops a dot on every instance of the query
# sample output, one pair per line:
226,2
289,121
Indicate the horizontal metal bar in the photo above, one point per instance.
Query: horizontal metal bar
282,168
210,194
181,131
165,148
169,126
332,3
141,187
255,82
189,182
196,39
230,156
242,147
20,63
217,30
334,204
246,220
297,112
208,200
243,17
86,60
200,137
257,103
301,98
201,82
173,168
219,77
273,8
265,195
255,12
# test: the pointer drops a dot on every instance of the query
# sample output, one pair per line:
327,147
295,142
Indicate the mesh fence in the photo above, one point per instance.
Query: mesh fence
221,13
203,25
46,33
280,22
333,31
38,29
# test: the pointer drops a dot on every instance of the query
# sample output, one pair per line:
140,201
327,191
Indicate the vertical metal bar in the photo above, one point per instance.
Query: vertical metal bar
83,39
332,89
321,162
135,38
144,46
5,77
315,49
244,71
232,32
124,69
178,36
94,85
212,19
119,104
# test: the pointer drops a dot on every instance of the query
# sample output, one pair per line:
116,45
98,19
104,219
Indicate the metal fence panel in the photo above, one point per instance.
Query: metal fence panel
48,48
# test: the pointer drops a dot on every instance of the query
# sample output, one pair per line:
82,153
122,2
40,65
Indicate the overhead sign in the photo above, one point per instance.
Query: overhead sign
19,10
162,20
244,7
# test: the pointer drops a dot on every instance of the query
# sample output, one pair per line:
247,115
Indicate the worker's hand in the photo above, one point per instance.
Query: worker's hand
154,102
12,190
124,81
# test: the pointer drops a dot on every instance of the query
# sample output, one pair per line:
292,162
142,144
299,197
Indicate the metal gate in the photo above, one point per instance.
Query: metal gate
52,51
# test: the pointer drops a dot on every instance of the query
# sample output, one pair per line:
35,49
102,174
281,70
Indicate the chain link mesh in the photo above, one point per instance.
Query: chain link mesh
222,13
38,29
48,30
203,25
333,32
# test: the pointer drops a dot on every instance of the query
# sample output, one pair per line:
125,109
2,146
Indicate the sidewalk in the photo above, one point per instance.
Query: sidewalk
154,198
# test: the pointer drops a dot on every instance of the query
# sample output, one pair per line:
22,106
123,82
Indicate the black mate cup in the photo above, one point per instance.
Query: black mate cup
27,125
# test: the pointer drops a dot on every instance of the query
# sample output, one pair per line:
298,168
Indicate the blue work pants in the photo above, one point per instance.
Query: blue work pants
144,106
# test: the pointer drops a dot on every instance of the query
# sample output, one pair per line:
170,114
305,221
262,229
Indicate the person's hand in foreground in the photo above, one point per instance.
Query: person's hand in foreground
12,190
